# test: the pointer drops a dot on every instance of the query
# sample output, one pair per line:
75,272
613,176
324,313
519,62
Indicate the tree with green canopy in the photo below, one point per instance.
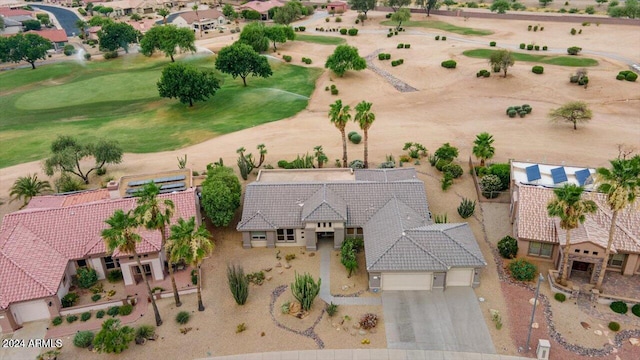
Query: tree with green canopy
254,35
345,58
26,187
221,192
168,39
241,60
187,83
279,33
24,47
115,35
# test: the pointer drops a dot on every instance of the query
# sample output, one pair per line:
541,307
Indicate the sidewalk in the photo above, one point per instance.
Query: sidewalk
367,354
325,248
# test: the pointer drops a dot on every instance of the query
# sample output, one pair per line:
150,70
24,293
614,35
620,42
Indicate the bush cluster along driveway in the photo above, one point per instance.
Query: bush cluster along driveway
119,99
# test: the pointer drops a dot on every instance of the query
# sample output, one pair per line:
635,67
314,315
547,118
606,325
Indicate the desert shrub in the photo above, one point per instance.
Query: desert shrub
620,77
113,311
454,170
574,50
481,170
101,171
331,309
614,326
114,275
530,47
590,10
356,164
522,270
537,69
492,43
466,208
573,31
256,277
446,152
449,64
446,181
437,37
183,317
125,310
56,321
338,19
83,339
472,5
100,314
387,165
502,171
560,297
353,32
69,50
522,46
334,91
544,47
72,318
407,46
87,277
284,164
635,309
238,284
619,307
356,138
343,31
85,316
70,299
351,133
388,16
529,27
305,289
536,47
286,58
368,321
631,76
535,28
508,247
400,46
512,112
490,185
483,73
306,60
110,55
444,38
441,163
382,56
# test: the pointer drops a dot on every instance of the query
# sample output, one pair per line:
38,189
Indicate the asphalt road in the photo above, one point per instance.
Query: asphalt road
66,18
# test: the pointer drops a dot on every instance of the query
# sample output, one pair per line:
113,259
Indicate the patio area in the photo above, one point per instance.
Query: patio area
614,284
183,282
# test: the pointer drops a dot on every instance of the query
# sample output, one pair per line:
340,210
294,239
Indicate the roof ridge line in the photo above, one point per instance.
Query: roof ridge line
34,278
464,247
427,251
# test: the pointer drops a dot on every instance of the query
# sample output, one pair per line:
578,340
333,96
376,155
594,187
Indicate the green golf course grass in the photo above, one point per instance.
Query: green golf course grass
118,99
322,40
544,59
440,25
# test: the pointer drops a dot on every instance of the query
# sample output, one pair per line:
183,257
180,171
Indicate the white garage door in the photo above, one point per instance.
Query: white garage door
406,281
30,311
459,277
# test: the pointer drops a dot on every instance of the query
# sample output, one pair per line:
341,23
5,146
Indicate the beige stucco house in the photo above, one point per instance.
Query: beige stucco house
202,19
404,249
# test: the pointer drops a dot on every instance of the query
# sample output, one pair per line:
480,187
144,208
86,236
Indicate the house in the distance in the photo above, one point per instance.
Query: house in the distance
57,37
541,236
42,246
262,7
404,249
201,19
337,7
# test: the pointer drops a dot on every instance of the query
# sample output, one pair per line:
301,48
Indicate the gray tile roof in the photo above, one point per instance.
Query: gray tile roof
324,205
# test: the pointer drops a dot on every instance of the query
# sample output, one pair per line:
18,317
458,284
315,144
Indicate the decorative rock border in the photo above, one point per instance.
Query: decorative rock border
309,332
394,81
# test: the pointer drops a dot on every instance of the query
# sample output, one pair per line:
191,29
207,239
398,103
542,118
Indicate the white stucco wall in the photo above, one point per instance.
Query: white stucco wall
180,22
96,264
30,311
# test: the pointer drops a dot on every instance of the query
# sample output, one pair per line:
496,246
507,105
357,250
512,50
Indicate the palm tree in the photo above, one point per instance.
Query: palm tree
340,116
621,184
482,148
191,245
82,26
26,187
195,8
569,206
164,12
156,214
121,235
365,118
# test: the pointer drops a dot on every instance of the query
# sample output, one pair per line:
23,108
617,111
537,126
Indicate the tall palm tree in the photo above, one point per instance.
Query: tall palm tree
191,244
82,26
156,214
26,187
195,8
164,12
621,184
340,116
572,209
121,235
365,118
483,148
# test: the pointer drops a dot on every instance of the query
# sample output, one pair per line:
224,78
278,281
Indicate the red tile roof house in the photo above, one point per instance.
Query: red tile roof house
337,7
541,237
57,37
262,7
42,246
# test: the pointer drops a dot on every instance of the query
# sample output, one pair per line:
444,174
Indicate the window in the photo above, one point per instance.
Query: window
258,235
286,235
330,225
576,250
146,267
81,263
111,263
354,231
585,252
616,260
595,253
540,249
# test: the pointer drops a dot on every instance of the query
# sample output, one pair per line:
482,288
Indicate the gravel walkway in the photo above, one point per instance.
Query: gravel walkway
397,83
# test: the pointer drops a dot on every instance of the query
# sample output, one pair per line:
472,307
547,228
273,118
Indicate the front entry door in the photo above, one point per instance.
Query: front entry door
439,280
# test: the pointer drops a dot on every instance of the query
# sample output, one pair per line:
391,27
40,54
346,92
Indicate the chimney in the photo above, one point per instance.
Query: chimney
112,187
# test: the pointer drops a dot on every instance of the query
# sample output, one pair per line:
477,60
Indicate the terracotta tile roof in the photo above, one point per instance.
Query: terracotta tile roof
190,16
53,201
55,35
262,6
37,243
7,12
535,224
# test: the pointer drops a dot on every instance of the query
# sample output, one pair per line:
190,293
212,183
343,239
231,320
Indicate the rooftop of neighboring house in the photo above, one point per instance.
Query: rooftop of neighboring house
535,224
54,35
190,16
262,6
36,243
8,12
551,175
122,4
142,25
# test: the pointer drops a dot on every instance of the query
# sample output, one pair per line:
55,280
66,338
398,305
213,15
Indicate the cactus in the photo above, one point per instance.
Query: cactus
305,289
182,162
238,284
466,208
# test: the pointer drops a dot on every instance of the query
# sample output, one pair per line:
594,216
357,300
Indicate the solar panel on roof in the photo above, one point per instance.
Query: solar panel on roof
558,175
582,176
533,173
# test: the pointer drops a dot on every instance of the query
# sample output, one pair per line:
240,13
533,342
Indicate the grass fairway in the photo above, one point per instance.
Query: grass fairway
440,25
322,40
544,59
118,99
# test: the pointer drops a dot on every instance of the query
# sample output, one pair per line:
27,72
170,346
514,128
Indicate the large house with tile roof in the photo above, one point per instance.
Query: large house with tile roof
42,246
209,19
541,237
404,249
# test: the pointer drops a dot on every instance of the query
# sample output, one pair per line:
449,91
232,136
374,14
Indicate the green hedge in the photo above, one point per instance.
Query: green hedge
560,297
537,69
449,64
523,270
619,307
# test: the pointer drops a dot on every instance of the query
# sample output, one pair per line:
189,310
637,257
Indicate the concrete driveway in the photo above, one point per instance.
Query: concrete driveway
448,320
30,331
